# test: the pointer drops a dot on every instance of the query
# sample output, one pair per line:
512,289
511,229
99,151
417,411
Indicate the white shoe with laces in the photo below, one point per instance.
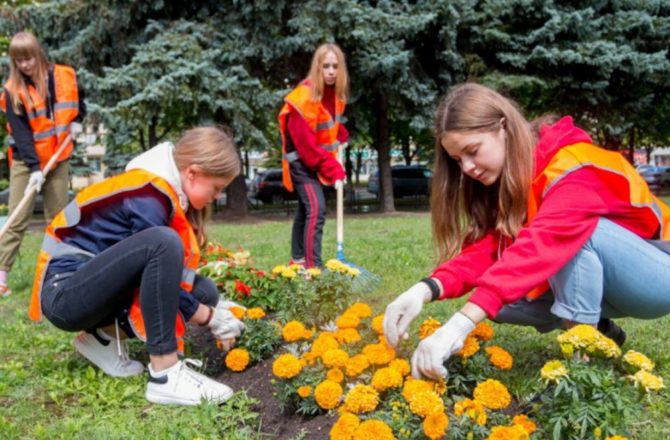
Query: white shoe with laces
108,355
181,385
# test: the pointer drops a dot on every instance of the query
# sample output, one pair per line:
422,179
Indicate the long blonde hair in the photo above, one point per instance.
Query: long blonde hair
315,75
463,209
25,45
213,150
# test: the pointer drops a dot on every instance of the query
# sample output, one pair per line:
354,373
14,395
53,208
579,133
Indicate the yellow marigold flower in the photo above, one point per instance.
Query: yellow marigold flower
439,386
597,432
401,366
428,327
238,312
309,358
304,391
616,437
607,347
335,358
323,343
425,403
361,399
514,432
414,386
313,272
567,350
334,265
335,374
278,269
327,394
360,309
386,378
499,357
378,324
435,425
553,371
472,409
356,365
647,381
470,347
286,366
295,331
373,429
255,313
347,335
347,320
295,267
483,332
237,359
586,338
345,427
527,424
288,273
638,360
492,394
379,354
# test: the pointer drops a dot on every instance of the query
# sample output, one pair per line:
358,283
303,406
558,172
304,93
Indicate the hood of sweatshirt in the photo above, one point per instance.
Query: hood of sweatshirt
159,160
556,136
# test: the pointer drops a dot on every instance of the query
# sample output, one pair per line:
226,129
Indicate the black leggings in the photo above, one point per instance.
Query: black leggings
308,224
102,288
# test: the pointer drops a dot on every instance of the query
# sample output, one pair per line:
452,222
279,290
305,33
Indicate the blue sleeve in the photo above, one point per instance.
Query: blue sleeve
187,305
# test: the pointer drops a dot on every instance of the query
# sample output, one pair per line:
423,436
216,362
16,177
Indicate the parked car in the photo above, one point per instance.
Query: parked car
39,201
408,180
657,176
267,187
643,167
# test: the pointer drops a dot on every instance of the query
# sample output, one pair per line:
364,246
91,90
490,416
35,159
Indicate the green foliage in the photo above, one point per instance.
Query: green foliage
261,338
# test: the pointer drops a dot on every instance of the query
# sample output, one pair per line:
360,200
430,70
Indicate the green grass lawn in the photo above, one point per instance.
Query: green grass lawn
47,391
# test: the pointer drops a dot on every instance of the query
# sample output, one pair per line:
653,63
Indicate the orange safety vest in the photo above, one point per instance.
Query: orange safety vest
319,120
610,166
86,200
48,133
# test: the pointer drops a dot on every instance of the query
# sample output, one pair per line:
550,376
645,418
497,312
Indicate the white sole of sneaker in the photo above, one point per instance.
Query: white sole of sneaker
84,349
164,399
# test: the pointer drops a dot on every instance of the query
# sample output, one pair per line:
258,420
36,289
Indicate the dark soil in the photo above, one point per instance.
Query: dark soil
255,380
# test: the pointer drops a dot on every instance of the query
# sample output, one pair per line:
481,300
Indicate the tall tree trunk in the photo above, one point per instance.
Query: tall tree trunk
236,193
383,148
153,128
631,145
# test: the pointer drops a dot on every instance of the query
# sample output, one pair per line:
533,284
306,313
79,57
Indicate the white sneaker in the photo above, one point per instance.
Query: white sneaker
181,385
110,357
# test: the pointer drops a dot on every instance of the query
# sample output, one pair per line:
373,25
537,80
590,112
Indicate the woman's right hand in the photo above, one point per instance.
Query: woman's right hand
224,325
401,312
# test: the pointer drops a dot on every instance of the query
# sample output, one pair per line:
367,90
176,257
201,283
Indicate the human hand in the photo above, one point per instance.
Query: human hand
75,128
224,325
226,304
36,180
402,311
432,352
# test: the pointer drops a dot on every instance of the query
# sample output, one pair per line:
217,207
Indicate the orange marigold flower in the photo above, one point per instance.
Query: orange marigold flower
499,357
335,374
335,358
345,426
414,386
439,386
361,399
360,309
255,313
492,394
238,312
401,366
356,365
373,429
513,432
472,409
347,335
237,359
295,331
304,391
483,332
323,343
470,347
435,425
378,324
309,358
347,320
425,403
428,327
616,437
327,394
527,424
379,354
286,366
386,378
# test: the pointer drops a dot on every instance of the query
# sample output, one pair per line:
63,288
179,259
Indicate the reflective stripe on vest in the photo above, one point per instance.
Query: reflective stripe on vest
317,117
49,133
608,165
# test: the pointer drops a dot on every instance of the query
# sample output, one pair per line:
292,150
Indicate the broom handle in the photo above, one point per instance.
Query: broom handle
31,189
340,205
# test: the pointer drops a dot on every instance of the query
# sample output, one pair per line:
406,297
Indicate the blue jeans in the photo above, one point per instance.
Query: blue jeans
101,289
616,274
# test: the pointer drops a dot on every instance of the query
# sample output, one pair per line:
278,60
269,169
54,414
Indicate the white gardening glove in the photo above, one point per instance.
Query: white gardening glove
224,325
75,128
432,352
35,180
402,311
225,304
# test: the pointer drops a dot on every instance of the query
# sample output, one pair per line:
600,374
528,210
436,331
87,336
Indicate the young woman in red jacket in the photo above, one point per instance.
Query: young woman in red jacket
311,127
545,230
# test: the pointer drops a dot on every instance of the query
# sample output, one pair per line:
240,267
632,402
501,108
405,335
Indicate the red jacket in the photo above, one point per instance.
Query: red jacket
566,219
